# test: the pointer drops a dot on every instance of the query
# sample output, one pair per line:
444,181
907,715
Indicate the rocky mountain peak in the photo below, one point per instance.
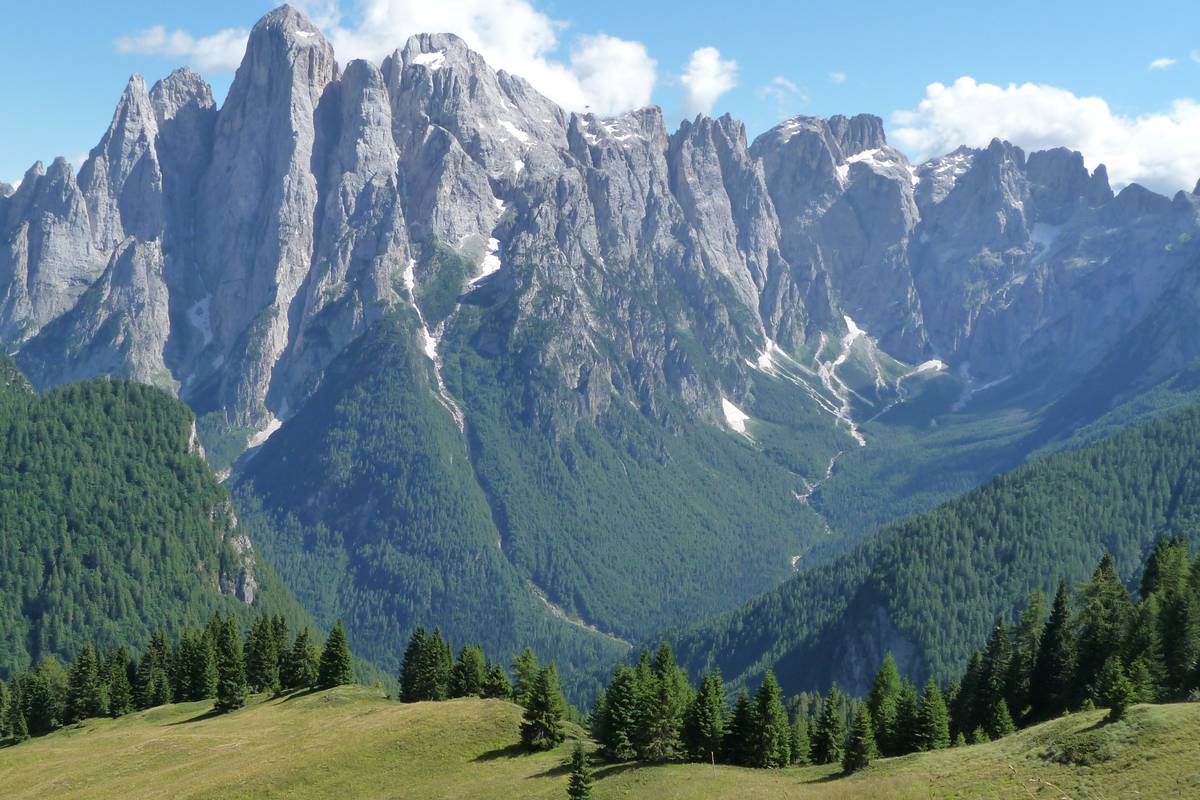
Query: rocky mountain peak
182,89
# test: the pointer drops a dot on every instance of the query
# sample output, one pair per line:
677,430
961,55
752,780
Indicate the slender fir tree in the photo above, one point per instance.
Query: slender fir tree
116,676
262,656
772,745
860,748
86,694
829,737
1050,687
705,721
933,720
737,745
302,663
1116,691
579,785
336,667
231,668
525,673
542,723
468,673
620,721
1103,620
495,683
881,702
908,722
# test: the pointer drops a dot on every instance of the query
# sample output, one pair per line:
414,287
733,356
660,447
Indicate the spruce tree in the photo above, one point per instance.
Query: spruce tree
966,699
542,723
933,720
800,741
771,746
1000,721
1050,689
116,676
1026,636
829,736
663,701
302,663
705,720
495,683
1179,626
579,785
525,673
1105,613
468,673
908,718
1116,691
881,702
231,668
262,656
621,715
412,665
3,710
737,744
860,748
993,683
86,694
153,674
16,724
336,667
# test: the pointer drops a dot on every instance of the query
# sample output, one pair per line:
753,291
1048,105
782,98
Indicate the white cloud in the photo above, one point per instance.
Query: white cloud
1159,150
706,77
785,94
1195,55
602,72
220,52
1161,63
837,77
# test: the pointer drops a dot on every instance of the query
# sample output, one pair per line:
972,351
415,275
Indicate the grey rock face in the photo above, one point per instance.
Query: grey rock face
231,254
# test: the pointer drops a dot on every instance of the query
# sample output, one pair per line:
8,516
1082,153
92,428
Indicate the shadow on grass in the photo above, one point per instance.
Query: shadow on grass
285,697
830,778
612,770
512,751
212,712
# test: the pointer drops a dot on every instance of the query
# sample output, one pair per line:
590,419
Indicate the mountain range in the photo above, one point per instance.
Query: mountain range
465,358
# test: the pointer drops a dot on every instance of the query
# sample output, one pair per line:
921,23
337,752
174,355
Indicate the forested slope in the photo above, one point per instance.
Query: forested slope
929,588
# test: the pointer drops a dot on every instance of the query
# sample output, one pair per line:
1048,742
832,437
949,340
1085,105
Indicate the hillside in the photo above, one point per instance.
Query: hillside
112,526
350,742
929,588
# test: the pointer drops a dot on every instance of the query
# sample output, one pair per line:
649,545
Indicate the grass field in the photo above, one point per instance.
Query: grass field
352,743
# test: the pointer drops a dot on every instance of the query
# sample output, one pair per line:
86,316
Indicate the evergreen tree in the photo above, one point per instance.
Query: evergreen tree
154,674
800,741
966,699
881,702
579,785
468,673
705,720
44,694
664,698
262,656
301,665
619,724
1166,567
1051,683
737,744
283,642
1105,613
15,723
933,720
336,667
1116,691
829,737
495,683
1179,626
993,684
231,668
116,676
525,673
1026,636
86,694
908,718
412,687
1000,722
772,745
542,723
860,748
3,710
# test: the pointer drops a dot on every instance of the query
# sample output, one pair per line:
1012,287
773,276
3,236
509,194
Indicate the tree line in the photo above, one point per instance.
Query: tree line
215,662
1096,649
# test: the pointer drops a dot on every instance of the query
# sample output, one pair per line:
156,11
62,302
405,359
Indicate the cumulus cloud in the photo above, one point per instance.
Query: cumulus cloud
220,52
600,72
784,94
1159,150
1161,63
706,77
837,77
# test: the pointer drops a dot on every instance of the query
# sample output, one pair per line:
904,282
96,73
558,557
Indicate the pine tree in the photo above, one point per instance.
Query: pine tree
993,684
829,736
86,694
301,665
966,699
468,673
1026,635
3,710
1102,624
525,673
1116,691
772,746
705,720
663,701
579,785
542,723
153,674
737,744
262,656
860,749
336,667
16,724
436,667
933,720
620,721
412,665
495,683
881,702
283,641
1179,626
231,668
1051,683
116,676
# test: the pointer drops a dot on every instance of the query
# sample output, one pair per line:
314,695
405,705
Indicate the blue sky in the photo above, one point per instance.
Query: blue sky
1067,72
